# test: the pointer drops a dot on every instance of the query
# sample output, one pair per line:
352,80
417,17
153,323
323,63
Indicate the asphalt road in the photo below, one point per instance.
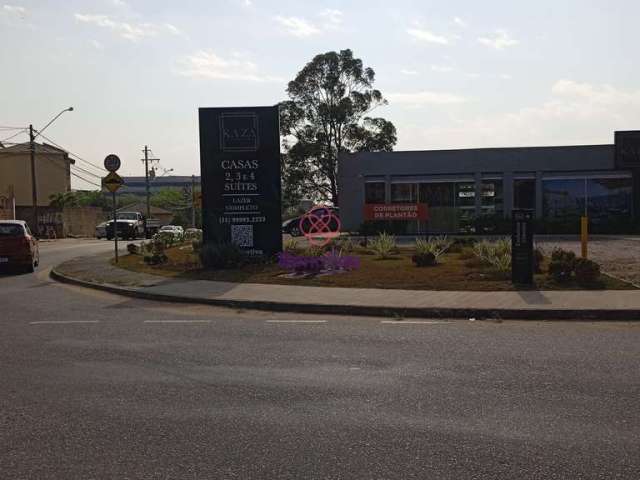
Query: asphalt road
134,389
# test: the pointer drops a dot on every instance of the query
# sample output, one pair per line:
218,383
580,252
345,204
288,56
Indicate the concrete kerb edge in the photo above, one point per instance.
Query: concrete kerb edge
360,310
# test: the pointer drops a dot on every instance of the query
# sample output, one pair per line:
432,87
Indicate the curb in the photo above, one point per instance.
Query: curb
361,310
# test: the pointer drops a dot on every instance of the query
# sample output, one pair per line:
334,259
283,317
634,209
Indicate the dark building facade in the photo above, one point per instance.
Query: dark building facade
137,185
468,191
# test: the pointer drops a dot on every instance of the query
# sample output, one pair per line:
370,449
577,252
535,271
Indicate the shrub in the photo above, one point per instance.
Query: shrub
167,238
538,258
336,260
562,265
383,245
154,252
155,259
460,244
299,264
332,260
221,256
290,245
344,244
315,251
496,254
586,271
435,246
193,234
424,259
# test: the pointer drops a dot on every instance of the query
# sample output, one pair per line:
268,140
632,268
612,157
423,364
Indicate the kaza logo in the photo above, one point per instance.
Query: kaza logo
238,132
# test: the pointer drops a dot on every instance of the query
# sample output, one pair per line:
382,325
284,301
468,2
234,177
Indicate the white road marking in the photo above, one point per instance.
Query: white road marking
296,321
412,322
177,321
62,322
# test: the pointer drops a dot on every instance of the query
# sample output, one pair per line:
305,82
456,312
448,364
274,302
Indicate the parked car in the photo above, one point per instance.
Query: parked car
101,230
18,246
130,225
153,226
176,230
193,233
294,227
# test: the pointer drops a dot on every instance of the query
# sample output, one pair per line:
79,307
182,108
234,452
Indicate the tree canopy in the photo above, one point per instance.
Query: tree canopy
328,112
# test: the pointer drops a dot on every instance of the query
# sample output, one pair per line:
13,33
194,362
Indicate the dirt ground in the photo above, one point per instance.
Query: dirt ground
618,256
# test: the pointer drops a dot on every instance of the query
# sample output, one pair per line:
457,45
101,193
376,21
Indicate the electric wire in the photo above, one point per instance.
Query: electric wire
14,135
75,155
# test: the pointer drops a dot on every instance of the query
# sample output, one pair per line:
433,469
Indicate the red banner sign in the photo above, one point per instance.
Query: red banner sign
396,211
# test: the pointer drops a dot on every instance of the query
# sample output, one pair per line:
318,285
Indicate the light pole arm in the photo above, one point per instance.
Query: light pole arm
70,109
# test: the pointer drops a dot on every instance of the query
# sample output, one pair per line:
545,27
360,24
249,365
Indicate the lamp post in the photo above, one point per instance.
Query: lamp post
32,151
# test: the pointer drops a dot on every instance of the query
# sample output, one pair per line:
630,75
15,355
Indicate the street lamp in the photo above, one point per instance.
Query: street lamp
32,150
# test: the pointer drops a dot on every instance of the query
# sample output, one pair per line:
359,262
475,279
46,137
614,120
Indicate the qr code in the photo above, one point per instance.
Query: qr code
242,235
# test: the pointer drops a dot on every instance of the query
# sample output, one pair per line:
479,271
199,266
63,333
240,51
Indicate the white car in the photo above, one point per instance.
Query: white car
176,230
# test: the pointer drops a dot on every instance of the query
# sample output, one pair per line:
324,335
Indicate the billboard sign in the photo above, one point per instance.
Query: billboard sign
396,211
240,175
627,149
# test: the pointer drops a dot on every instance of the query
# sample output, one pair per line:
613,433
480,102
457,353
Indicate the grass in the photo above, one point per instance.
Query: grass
456,271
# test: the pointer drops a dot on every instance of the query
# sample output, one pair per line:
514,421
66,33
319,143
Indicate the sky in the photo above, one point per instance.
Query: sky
457,74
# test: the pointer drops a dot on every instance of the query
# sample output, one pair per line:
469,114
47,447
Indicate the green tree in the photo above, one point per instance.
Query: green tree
327,113
63,199
92,198
126,199
168,198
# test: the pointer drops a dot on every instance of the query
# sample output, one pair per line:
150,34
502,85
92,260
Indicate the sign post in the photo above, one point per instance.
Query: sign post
113,182
522,247
240,178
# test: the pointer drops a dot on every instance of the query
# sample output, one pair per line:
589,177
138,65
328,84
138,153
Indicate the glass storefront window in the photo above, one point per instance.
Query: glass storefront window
440,201
404,193
465,202
524,193
609,199
608,202
374,192
491,197
563,198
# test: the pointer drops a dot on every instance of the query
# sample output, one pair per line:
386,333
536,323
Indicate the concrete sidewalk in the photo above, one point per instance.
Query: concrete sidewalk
97,272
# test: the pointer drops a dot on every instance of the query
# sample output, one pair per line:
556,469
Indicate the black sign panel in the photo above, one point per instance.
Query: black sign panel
627,149
522,247
240,169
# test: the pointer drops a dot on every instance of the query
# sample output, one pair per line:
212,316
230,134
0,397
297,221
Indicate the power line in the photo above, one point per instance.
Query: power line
78,157
53,162
24,130
2,127
86,171
85,180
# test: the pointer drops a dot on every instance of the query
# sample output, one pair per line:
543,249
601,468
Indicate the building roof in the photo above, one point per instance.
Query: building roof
142,208
40,148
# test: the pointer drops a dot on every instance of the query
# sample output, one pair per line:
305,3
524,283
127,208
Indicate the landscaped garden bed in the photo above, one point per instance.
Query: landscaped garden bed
438,264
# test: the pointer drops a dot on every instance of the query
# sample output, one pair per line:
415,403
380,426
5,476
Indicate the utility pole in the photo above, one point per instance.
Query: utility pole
34,186
32,152
146,176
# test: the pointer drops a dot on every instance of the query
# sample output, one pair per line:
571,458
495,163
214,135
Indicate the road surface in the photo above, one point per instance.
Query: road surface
98,386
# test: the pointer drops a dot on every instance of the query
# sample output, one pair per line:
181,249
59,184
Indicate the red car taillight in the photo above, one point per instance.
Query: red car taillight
26,241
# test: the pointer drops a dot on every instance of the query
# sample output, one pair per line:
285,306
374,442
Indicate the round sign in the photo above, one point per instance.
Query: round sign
320,225
112,162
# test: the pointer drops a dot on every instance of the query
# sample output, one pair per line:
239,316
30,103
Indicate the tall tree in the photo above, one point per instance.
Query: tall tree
327,113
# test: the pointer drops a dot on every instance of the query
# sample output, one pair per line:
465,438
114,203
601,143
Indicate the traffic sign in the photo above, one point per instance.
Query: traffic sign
112,162
113,182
